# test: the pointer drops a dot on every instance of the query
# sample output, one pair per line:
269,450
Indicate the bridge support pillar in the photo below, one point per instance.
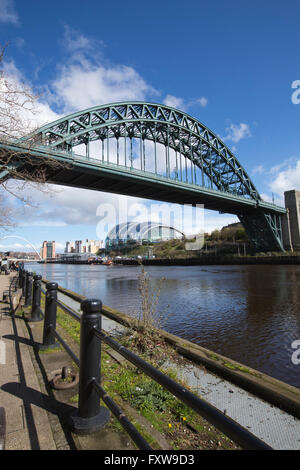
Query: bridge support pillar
264,230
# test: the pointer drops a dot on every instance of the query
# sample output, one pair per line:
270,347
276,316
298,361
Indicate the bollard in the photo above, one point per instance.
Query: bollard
20,278
90,416
50,317
28,293
24,281
36,312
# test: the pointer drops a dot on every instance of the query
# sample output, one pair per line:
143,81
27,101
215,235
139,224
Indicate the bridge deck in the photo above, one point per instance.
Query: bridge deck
96,175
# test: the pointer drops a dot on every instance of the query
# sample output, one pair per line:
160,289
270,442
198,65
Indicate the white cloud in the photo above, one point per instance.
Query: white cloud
79,86
179,103
280,178
237,132
274,199
174,102
88,79
287,178
7,12
284,164
258,170
23,114
214,221
65,206
76,42
202,101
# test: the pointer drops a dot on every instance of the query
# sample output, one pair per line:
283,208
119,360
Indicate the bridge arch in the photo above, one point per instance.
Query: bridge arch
198,167
202,150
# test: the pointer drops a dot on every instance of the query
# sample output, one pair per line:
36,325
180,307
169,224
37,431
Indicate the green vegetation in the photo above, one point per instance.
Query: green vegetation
137,393
181,426
231,366
148,317
231,240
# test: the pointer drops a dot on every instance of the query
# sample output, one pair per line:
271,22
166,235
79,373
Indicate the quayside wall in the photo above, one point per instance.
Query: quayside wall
205,260
214,260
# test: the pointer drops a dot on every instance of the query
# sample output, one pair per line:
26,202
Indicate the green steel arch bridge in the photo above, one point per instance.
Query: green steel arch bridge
151,151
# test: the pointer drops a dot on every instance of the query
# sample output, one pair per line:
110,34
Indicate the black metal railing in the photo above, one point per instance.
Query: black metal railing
13,287
90,415
2,428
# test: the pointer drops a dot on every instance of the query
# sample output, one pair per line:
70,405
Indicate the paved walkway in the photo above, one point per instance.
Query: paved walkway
37,417
27,423
32,419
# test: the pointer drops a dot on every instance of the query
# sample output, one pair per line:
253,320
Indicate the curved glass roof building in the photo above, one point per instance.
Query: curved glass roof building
130,234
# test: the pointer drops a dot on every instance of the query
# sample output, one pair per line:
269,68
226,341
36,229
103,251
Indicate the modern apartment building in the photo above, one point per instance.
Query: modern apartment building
47,250
87,246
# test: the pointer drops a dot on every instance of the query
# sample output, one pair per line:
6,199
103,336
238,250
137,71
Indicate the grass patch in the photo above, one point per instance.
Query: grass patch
50,350
181,426
231,366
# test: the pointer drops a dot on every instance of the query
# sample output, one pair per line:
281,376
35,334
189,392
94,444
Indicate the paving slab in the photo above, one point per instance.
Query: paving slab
27,423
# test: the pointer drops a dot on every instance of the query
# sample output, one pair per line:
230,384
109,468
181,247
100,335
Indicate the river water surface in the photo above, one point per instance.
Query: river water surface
247,313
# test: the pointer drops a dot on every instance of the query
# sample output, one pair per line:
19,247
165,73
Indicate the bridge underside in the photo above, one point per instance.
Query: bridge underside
263,225
149,188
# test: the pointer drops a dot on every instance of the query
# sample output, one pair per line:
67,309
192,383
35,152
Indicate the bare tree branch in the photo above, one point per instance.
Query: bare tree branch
17,105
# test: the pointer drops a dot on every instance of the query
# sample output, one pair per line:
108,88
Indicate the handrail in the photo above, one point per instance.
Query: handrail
50,333
66,347
90,416
69,310
225,424
123,420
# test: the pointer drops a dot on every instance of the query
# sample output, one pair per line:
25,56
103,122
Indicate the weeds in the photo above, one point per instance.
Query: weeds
149,318
180,425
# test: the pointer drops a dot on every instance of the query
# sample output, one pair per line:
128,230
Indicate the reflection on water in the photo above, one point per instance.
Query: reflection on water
248,313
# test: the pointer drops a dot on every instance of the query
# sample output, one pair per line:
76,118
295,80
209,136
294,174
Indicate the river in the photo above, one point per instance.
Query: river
247,313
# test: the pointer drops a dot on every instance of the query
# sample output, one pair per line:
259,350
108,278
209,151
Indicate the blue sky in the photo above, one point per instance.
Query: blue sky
229,64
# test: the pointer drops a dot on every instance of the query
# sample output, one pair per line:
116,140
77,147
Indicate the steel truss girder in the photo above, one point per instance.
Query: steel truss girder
264,230
175,130
163,124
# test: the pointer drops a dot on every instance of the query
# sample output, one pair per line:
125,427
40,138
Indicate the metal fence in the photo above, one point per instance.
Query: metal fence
90,415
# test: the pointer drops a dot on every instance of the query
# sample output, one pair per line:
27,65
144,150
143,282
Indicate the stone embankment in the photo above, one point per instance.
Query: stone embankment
214,260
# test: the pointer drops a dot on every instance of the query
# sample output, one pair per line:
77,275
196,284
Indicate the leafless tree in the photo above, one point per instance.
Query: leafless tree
6,215
17,104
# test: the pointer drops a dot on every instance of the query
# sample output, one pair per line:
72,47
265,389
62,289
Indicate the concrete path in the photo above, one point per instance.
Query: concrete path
27,424
37,417
275,427
30,424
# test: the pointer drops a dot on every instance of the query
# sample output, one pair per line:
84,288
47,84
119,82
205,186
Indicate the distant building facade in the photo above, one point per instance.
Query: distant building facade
87,246
131,234
47,250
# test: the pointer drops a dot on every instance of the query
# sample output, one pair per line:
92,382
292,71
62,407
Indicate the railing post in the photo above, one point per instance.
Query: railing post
50,316
28,293
90,416
36,313
20,278
24,282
